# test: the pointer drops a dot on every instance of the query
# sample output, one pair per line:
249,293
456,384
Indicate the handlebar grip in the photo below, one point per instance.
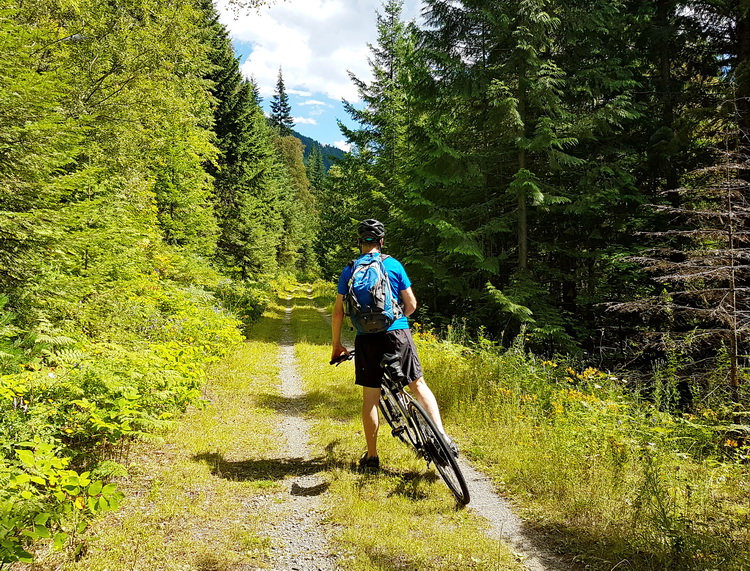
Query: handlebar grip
341,358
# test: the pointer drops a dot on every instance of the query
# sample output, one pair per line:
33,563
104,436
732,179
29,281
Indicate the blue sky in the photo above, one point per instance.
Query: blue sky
315,42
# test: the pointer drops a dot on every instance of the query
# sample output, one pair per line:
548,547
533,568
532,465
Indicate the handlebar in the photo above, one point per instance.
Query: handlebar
341,358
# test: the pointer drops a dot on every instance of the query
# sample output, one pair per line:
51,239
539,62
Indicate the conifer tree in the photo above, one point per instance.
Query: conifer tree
115,104
281,117
300,224
248,185
699,261
315,169
376,162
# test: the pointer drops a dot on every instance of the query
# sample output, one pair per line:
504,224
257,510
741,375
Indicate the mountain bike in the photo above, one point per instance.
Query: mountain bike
411,424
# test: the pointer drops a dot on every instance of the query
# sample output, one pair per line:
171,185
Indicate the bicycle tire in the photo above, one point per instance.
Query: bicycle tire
395,415
436,449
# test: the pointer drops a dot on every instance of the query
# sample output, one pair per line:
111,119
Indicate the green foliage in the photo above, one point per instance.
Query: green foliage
613,475
107,319
300,225
41,499
509,136
84,400
246,300
252,190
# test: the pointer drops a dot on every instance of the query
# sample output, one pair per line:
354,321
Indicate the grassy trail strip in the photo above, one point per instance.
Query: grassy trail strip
264,477
404,517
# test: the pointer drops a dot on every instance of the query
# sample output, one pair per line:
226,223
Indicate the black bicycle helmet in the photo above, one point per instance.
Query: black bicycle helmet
371,230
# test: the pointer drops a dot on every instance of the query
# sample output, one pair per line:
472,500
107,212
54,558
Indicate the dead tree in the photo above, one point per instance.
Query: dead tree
702,261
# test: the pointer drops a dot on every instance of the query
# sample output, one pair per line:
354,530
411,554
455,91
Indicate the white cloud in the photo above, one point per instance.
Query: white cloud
298,92
343,145
304,120
314,41
314,102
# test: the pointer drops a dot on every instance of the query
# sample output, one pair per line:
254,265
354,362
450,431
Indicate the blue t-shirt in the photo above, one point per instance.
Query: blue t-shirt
397,276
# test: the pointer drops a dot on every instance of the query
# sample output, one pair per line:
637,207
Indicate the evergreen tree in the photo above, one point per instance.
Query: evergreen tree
248,184
700,264
300,224
315,169
281,117
108,104
376,162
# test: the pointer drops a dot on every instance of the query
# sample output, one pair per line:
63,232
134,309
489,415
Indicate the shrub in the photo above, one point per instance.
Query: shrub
137,359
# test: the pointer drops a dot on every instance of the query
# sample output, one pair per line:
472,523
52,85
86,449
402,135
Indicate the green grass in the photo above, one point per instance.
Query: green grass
195,501
615,481
402,518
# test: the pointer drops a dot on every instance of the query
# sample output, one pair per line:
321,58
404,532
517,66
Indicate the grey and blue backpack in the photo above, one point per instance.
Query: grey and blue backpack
370,301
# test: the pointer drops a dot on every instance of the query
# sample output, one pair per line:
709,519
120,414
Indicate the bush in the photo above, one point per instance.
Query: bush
246,300
136,359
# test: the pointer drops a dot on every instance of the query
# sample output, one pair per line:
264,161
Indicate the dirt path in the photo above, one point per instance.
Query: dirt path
507,527
224,494
301,543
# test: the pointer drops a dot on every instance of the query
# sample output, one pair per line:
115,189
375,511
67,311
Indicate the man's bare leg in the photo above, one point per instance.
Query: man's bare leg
426,398
370,420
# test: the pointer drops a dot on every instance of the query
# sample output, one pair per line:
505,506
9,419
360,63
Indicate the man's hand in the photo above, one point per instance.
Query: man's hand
338,350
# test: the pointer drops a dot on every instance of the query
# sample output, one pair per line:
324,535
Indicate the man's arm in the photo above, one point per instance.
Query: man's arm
410,301
337,322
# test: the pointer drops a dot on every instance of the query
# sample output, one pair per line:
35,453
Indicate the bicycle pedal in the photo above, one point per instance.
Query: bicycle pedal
397,431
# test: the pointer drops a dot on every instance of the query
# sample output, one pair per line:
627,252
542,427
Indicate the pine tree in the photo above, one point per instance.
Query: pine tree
376,163
300,224
248,183
281,110
315,169
111,104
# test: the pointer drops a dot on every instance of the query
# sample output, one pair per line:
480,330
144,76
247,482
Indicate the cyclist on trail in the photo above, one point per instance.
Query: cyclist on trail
370,347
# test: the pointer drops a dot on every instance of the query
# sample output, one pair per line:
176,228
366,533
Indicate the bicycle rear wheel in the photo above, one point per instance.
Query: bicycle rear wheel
395,415
436,449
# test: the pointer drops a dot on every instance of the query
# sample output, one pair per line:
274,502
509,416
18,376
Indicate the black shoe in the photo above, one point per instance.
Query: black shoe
452,445
369,463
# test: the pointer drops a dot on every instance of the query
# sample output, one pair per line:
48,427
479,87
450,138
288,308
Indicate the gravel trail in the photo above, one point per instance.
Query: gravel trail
299,542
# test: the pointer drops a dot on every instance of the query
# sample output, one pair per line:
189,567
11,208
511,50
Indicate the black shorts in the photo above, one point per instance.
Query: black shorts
370,349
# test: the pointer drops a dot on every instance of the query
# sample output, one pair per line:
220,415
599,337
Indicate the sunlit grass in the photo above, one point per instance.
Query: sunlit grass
401,518
611,480
195,502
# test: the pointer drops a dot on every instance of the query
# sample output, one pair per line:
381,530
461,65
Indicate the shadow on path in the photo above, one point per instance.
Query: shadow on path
281,468
266,469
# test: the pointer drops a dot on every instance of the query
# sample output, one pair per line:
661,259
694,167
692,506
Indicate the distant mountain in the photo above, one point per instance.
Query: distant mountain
329,153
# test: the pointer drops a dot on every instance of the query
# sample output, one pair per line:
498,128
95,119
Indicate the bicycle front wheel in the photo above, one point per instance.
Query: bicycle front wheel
436,449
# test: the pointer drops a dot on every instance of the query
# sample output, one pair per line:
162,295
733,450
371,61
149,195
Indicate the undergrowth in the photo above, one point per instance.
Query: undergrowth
75,394
612,477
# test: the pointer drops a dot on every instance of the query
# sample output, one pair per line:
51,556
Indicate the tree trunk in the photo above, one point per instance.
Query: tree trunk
523,231
523,245
742,72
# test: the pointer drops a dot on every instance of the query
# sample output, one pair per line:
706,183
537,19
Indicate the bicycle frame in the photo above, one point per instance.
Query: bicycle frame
411,424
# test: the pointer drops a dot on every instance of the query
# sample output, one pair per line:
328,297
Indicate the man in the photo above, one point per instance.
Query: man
370,347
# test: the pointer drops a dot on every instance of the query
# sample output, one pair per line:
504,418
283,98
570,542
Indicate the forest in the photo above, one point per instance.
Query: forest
567,175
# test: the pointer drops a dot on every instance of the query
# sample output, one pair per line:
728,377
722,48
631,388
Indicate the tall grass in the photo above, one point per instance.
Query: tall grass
614,479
